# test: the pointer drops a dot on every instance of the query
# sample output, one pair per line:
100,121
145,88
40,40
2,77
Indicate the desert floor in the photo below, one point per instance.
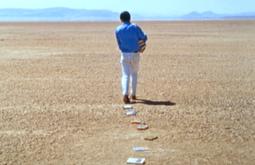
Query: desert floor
60,98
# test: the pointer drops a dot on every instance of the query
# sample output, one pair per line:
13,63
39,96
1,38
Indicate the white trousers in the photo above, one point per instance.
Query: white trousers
129,65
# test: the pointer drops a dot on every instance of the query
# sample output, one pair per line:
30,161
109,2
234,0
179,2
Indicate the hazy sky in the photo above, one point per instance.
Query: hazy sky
145,7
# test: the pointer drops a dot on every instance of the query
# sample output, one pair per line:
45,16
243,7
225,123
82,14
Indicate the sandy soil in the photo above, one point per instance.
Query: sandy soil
60,100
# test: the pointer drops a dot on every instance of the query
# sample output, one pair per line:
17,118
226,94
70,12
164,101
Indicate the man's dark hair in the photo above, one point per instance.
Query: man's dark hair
125,16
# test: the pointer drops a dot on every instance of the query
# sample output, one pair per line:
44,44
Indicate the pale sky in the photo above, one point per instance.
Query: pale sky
145,7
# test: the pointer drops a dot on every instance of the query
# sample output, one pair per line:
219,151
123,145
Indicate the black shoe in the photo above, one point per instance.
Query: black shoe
133,97
126,99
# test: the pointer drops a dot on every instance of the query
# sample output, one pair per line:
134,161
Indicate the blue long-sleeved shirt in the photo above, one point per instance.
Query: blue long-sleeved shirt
128,35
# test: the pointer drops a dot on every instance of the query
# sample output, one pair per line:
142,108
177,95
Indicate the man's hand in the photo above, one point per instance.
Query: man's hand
142,46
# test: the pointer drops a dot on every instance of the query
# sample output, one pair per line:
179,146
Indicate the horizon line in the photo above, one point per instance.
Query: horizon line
135,13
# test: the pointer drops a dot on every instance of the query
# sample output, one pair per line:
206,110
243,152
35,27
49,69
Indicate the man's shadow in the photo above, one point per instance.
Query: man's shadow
153,102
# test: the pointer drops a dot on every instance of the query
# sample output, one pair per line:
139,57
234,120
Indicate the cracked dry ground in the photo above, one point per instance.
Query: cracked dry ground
60,99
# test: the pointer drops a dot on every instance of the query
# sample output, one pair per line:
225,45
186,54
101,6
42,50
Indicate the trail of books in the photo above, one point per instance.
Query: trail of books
140,126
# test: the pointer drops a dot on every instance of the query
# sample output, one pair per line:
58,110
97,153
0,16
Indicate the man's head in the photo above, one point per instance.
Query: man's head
125,16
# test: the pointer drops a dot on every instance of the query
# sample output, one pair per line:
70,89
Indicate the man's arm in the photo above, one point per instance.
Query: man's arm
118,40
141,34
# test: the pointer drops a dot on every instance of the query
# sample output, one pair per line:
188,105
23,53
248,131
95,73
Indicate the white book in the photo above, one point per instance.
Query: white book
127,106
140,149
136,161
131,112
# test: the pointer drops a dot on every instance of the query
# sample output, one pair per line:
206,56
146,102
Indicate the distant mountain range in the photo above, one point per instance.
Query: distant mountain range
56,14
204,15
67,14
208,15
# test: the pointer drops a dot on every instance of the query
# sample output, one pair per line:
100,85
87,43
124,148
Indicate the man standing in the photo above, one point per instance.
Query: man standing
131,41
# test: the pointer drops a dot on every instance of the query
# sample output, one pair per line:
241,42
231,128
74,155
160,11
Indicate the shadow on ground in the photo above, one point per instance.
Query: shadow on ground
154,102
